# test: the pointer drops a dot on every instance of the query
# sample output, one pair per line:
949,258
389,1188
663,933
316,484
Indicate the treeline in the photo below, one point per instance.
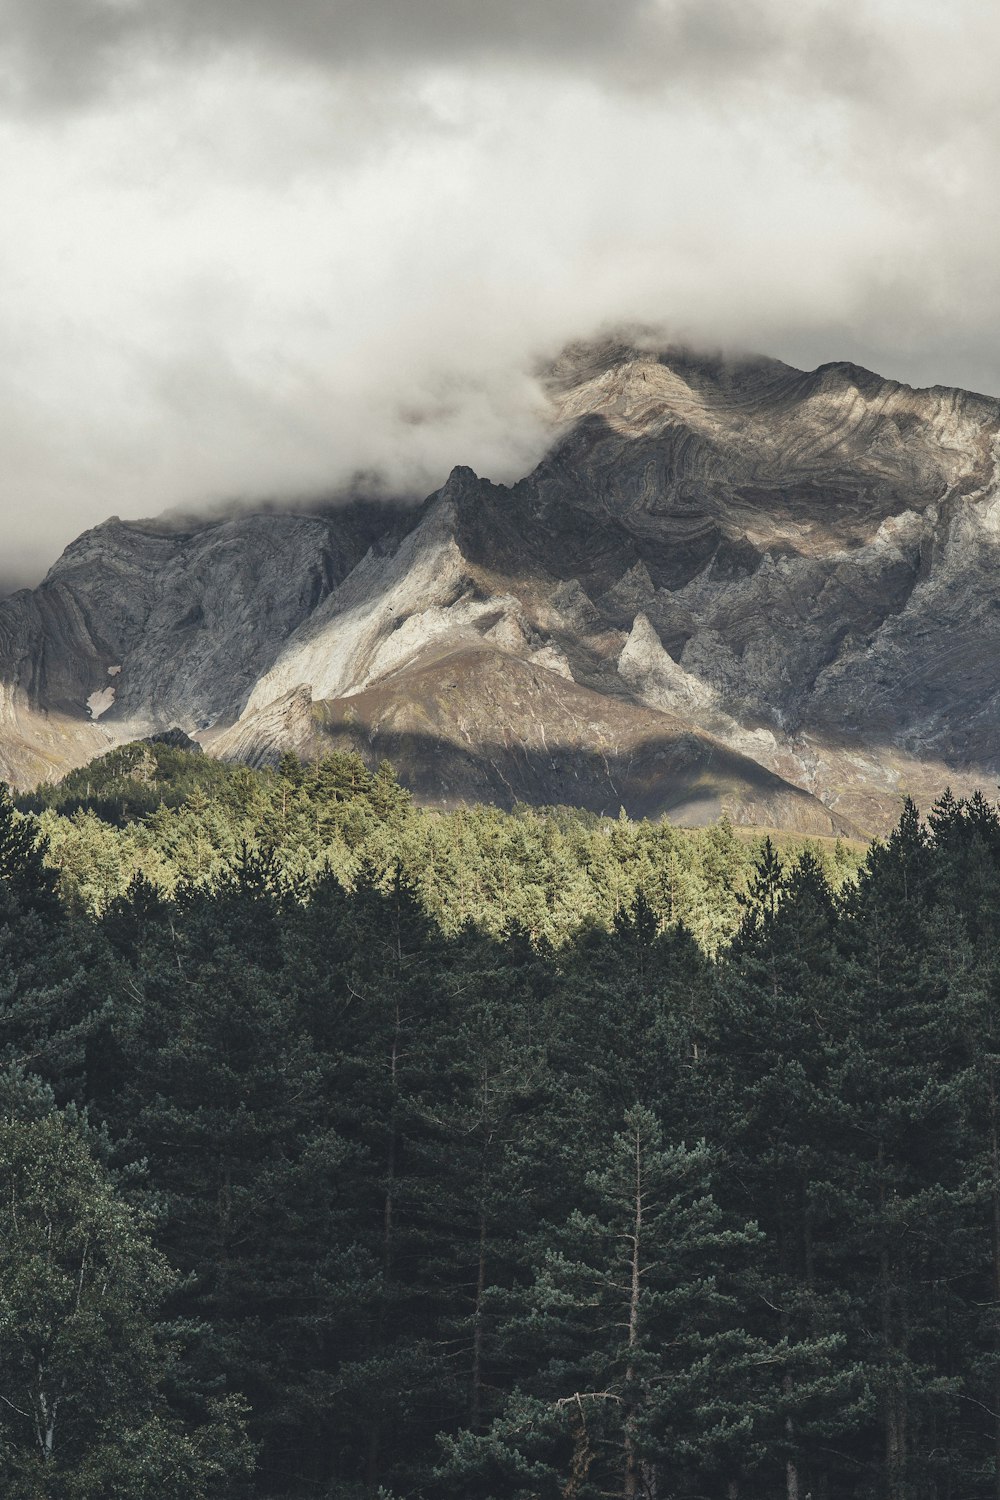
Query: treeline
176,817
306,1192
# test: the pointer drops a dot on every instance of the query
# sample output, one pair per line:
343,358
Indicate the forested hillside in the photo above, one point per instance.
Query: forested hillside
157,810
351,1151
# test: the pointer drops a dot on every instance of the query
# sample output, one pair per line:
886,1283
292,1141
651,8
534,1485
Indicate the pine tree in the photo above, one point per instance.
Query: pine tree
967,856
772,1094
904,1080
631,1349
474,1172
83,1362
222,1092
51,968
26,884
374,998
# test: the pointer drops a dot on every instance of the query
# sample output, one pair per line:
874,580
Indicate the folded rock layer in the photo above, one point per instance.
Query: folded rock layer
730,585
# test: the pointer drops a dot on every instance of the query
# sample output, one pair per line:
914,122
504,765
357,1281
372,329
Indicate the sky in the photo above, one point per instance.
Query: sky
257,248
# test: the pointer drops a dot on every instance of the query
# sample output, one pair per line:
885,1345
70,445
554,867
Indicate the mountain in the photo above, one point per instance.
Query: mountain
729,585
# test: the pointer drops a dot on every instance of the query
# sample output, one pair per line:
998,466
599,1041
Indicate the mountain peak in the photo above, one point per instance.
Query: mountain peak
723,562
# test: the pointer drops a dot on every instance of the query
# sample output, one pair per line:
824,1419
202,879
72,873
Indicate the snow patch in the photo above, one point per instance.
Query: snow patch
98,703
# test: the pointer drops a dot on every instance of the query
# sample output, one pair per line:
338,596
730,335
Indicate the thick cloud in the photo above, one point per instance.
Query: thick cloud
63,50
255,248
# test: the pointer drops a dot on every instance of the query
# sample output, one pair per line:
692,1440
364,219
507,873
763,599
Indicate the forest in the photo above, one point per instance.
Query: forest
359,1151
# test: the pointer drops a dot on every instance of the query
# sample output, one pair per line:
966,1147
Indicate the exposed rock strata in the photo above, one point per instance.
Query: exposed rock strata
475,726
796,572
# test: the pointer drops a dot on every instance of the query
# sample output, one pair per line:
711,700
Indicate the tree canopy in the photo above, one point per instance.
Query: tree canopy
351,1150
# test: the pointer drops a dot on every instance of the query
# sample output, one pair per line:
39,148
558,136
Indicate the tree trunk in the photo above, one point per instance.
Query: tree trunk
476,1405
371,1467
375,1431
791,1468
632,1467
787,1256
894,1414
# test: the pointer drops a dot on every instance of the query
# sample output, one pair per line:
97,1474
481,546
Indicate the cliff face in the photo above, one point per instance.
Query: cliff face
727,585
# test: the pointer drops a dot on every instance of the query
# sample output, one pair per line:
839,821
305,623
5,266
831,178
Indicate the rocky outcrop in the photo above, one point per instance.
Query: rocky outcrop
656,678
796,571
144,625
473,725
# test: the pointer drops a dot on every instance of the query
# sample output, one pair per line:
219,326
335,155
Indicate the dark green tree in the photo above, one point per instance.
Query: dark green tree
84,1357
52,968
635,1370
903,1078
772,1094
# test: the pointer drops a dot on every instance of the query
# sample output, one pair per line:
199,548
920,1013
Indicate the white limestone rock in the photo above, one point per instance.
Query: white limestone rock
655,677
801,564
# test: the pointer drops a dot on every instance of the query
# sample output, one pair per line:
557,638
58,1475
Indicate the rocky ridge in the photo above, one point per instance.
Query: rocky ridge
730,584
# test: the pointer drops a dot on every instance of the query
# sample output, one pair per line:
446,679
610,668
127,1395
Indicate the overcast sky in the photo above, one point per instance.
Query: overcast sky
251,247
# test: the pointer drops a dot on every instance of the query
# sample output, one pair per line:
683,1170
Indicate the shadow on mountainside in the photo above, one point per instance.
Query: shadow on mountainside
685,777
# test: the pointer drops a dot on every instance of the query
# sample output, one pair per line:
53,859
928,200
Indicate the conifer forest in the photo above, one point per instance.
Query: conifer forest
356,1151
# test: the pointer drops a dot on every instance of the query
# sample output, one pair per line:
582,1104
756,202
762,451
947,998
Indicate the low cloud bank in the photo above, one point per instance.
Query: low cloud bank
253,250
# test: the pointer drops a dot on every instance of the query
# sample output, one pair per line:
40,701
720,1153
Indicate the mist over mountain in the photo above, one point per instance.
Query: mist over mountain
729,585
254,249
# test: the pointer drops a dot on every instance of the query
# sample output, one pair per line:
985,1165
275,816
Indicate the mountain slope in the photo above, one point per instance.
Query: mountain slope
477,725
795,572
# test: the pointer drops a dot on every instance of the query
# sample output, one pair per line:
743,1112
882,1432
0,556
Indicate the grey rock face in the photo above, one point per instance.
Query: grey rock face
799,568
477,725
144,625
